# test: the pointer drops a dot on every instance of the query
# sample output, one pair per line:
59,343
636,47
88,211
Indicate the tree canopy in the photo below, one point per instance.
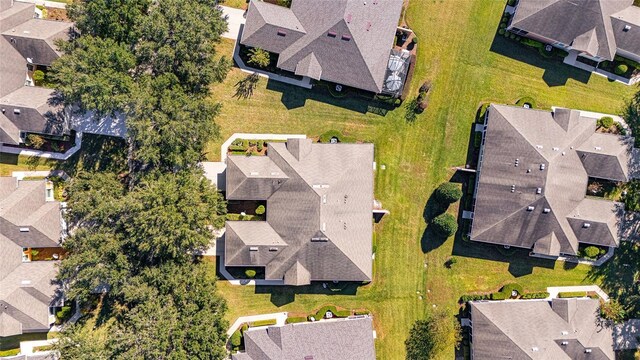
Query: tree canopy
428,338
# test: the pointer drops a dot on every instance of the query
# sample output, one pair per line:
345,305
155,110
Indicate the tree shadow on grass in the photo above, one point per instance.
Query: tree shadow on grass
556,72
294,97
283,295
98,153
430,239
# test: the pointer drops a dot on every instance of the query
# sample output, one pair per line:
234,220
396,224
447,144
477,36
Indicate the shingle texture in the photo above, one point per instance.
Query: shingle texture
595,27
533,181
347,42
318,220
538,329
26,288
26,40
327,340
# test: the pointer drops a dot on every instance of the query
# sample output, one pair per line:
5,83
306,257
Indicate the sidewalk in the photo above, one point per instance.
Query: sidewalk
235,18
281,319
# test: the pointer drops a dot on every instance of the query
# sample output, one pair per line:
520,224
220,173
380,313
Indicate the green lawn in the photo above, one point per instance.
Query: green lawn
458,54
10,162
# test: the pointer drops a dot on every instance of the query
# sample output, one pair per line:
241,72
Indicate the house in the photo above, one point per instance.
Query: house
319,212
27,45
30,224
539,329
348,43
532,180
593,29
350,339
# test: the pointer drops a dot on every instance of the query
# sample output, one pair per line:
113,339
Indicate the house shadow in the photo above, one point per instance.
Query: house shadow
294,97
283,295
556,73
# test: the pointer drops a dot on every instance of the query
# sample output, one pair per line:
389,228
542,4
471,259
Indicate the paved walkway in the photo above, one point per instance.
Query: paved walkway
554,290
626,335
281,319
235,18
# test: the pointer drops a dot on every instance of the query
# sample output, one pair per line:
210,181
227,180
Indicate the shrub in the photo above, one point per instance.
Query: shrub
236,338
474,297
342,313
296,319
448,193
260,210
244,328
426,86
501,31
234,148
605,122
35,141
536,295
503,25
259,147
63,314
532,43
258,57
621,69
511,2
250,273
38,77
498,296
414,40
450,262
572,294
362,312
512,36
509,288
445,225
267,322
591,251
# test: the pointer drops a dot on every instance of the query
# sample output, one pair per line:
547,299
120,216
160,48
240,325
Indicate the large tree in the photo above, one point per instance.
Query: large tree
430,337
109,19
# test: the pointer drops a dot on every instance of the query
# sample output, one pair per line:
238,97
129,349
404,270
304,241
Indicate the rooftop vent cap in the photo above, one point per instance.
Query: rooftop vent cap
346,37
546,210
626,28
586,225
556,149
539,191
253,248
25,282
539,146
16,111
535,348
273,249
254,173
24,229
565,343
531,208
542,166
565,333
598,148
332,34
282,33
588,351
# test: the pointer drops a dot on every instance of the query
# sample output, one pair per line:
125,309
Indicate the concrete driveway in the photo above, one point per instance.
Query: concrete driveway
235,17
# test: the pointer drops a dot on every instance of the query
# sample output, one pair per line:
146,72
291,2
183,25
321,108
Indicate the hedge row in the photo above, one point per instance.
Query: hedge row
509,288
296,319
362,312
323,310
572,294
266,322
474,297
342,313
536,295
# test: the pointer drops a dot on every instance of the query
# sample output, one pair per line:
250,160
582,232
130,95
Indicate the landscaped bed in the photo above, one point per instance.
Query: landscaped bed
621,66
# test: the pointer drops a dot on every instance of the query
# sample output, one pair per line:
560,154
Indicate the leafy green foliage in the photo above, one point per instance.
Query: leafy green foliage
591,251
259,58
509,288
35,141
296,319
250,273
527,100
109,19
499,296
38,77
536,295
266,322
430,337
605,122
621,69
63,314
612,310
448,193
81,345
236,338
260,210
474,297
572,294
632,199
444,225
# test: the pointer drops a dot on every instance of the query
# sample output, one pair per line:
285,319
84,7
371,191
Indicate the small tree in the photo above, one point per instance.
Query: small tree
260,58
605,122
445,225
38,77
260,210
612,310
430,337
35,141
448,193
250,273
236,338
591,251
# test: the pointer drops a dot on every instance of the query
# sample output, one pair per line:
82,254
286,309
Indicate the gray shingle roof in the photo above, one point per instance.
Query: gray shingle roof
540,202
536,329
35,39
356,53
318,219
26,288
350,339
627,39
586,25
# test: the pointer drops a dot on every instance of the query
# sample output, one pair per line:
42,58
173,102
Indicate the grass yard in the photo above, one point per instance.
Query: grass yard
457,52
11,162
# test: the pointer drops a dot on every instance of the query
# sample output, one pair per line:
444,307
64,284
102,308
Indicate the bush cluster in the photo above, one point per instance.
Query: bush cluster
63,314
323,310
536,295
236,339
260,210
267,322
448,193
621,69
296,319
572,294
444,225
605,122
250,273
362,312
499,296
591,252
474,297
509,288
526,100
